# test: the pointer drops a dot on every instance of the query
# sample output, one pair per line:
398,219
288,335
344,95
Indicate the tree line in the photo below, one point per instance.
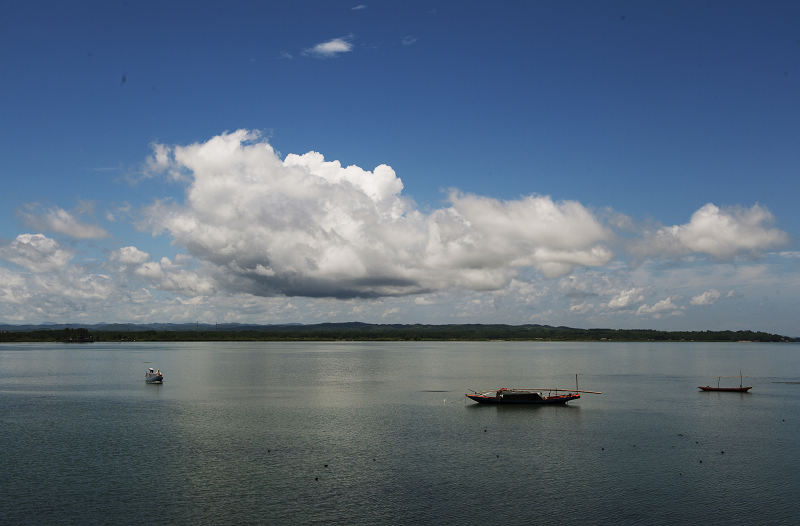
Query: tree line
386,332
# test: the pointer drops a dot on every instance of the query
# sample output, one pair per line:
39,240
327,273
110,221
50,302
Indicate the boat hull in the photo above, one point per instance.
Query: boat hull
558,399
725,389
154,379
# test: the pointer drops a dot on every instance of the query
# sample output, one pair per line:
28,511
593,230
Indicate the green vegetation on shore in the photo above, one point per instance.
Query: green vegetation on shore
370,332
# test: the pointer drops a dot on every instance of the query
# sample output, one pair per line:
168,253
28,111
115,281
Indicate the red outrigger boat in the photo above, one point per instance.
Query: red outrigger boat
505,395
741,389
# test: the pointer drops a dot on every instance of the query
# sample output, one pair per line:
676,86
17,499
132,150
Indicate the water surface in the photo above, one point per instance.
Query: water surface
371,433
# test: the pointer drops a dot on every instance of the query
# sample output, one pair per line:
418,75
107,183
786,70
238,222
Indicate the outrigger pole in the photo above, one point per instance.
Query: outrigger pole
578,390
551,389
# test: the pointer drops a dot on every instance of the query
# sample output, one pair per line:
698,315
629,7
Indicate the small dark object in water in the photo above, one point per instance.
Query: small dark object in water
722,452
701,460
316,478
326,465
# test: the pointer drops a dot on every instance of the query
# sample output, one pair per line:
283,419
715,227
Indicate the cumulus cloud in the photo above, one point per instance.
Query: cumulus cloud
708,297
129,256
626,298
13,289
170,275
50,287
304,226
36,253
721,233
331,48
61,221
665,306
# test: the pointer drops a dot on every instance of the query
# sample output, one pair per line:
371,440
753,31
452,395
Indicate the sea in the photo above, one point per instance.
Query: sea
381,433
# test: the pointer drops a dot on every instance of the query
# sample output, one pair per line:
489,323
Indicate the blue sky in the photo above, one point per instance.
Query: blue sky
592,164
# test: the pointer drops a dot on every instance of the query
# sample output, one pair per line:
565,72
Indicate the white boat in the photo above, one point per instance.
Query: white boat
153,376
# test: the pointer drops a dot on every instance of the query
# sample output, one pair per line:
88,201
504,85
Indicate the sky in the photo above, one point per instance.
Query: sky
580,163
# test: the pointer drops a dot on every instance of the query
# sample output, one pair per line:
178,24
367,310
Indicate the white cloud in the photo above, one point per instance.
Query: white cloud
626,298
53,288
12,288
36,252
554,238
169,275
331,48
708,297
129,256
358,7
409,40
73,285
721,233
664,306
62,222
309,227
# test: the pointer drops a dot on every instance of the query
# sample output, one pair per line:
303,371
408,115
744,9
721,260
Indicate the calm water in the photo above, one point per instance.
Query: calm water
381,433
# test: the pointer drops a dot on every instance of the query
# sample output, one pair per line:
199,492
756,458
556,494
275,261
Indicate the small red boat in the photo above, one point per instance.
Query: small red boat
741,389
505,395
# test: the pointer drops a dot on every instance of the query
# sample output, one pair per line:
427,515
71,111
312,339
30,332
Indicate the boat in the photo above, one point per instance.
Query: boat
153,376
741,389
506,395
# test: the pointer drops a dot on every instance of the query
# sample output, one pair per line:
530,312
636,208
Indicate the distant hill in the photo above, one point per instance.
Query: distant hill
357,331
